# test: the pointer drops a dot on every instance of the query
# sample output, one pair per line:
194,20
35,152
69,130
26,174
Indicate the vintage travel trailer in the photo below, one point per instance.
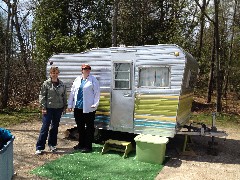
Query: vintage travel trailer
144,89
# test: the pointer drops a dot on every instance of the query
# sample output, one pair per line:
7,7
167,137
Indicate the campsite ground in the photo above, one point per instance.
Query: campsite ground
197,164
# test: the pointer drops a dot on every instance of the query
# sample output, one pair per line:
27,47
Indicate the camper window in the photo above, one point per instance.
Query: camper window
154,77
122,76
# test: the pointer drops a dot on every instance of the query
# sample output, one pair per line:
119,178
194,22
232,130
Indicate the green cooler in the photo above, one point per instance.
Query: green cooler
150,148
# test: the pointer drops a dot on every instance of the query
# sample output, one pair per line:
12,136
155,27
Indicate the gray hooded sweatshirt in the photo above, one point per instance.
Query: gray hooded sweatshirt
53,97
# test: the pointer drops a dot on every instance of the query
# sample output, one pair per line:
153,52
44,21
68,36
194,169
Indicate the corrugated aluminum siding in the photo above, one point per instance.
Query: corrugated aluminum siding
155,109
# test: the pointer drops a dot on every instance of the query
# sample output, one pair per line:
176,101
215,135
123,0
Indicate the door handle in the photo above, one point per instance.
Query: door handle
127,95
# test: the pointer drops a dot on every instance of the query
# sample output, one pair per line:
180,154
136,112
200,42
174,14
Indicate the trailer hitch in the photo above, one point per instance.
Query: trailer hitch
202,130
212,149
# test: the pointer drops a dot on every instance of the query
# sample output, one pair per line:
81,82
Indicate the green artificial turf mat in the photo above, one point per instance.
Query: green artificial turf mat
98,167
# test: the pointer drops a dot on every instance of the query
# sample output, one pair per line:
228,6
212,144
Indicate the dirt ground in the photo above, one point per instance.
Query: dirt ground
199,164
195,164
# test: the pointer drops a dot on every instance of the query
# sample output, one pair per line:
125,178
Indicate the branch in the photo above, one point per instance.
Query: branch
199,5
7,3
3,9
24,17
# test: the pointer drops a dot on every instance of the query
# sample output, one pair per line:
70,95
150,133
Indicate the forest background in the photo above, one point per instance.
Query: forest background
32,31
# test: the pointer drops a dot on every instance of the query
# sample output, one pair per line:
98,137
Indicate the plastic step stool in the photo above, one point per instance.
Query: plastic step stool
116,145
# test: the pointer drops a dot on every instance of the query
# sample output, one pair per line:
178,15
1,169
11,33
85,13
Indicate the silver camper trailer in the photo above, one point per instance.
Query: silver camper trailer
144,89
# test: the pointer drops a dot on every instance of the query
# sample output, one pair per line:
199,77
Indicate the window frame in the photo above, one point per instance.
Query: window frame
123,80
155,87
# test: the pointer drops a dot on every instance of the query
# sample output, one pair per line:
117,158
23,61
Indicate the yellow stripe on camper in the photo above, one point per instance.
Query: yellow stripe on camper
156,118
156,107
105,94
102,113
104,103
154,96
156,113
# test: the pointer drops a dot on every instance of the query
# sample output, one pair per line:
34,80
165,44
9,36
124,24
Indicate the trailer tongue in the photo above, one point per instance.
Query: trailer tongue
203,130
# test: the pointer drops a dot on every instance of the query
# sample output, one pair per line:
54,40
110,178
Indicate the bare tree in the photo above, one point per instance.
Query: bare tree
202,25
7,55
211,73
16,51
228,69
19,34
219,72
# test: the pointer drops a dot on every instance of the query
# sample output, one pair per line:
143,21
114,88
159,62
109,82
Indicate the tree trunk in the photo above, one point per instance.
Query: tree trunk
7,57
19,35
202,24
114,23
228,69
24,56
218,62
210,82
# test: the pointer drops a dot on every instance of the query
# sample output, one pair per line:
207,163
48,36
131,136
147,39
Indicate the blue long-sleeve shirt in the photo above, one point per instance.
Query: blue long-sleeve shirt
79,103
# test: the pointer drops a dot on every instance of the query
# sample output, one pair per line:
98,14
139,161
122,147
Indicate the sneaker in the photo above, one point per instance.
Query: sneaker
38,152
52,148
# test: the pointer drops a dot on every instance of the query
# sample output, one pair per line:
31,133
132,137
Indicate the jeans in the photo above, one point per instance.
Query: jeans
51,118
85,126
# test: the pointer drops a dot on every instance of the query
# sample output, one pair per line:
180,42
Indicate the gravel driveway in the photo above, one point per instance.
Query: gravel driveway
197,164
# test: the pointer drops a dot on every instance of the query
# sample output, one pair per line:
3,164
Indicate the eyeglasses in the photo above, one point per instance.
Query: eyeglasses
86,69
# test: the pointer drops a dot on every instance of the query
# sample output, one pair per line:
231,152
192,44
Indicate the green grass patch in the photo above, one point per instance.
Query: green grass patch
222,119
95,166
12,117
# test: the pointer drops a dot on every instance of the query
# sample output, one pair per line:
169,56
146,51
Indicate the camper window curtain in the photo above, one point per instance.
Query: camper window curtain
154,77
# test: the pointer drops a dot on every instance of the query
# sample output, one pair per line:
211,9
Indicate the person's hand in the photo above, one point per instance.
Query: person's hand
69,109
93,106
64,112
44,111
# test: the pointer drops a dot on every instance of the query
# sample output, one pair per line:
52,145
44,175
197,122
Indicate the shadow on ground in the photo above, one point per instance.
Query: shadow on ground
224,151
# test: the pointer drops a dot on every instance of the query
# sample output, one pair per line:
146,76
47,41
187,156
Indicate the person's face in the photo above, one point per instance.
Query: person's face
54,74
86,71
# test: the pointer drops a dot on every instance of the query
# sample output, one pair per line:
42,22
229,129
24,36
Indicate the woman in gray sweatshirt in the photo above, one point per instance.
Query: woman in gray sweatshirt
53,101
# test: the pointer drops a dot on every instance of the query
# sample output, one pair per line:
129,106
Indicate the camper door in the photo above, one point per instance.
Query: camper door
122,96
